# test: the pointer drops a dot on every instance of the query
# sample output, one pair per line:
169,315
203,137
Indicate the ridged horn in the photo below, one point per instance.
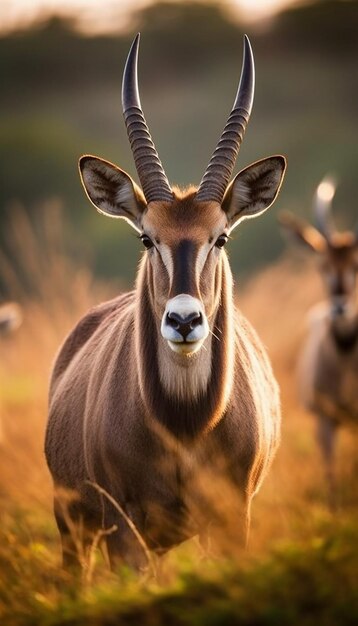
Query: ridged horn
150,171
218,173
322,206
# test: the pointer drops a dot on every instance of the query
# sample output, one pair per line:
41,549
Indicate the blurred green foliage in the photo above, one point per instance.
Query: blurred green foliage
60,97
309,583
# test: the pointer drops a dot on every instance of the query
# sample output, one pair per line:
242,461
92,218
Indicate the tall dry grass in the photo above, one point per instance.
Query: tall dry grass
54,293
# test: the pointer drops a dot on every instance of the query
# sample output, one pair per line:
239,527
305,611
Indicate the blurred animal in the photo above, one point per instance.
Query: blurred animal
165,394
10,320
328,368
10,317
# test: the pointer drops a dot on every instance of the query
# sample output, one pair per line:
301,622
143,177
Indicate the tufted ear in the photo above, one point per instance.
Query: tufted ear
111,190
301,231
254,189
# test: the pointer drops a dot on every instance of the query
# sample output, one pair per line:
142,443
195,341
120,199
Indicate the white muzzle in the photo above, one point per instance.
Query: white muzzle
184,324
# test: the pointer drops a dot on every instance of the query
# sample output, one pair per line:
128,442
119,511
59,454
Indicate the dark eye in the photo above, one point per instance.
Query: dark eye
221,241
147,243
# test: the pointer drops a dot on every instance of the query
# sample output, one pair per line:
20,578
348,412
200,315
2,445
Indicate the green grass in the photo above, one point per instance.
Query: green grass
311,582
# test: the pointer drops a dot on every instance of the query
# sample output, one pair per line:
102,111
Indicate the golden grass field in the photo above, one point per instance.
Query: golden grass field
302,558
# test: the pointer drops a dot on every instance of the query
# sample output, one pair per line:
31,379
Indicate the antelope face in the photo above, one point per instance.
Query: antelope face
337,251
184,233
338,266
184,239
184,247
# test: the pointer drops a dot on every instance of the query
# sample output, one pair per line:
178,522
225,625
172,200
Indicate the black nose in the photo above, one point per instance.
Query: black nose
338,308
184,325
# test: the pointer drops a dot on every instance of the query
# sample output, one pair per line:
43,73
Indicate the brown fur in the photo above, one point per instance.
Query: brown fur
164,457
329,360
331,351
164,397
330,357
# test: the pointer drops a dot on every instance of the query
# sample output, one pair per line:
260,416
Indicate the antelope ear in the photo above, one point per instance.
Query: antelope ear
254,189
111,190
302,232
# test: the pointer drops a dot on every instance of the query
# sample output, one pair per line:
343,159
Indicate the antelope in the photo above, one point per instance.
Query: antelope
165,394
329,360
10,320
10,317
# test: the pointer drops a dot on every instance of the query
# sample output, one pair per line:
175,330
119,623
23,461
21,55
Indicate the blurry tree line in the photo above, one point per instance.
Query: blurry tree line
60,98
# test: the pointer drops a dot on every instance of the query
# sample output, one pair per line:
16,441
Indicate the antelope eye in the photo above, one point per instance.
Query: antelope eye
147,243
221,241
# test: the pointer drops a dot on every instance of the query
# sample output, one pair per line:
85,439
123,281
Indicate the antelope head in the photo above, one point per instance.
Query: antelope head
337,251
184,232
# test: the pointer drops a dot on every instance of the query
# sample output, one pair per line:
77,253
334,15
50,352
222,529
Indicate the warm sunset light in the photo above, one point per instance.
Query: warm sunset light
146,360
252,10
89,14
92,16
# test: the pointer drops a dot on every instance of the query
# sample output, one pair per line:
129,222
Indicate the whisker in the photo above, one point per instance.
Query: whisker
216,337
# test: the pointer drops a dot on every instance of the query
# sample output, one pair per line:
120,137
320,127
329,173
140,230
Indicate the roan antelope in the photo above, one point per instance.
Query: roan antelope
328,365
164,394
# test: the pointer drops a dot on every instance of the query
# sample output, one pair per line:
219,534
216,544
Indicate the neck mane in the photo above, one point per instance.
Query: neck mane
185,395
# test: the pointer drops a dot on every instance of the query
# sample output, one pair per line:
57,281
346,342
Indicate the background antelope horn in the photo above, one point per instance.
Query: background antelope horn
218,173
322,206
150,171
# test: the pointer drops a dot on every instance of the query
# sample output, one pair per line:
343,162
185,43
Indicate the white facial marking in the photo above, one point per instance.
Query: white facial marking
184,306
167,260
200,261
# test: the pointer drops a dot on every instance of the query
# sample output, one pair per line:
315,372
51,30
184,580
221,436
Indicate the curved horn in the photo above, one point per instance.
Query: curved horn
322,206
151,174
218,173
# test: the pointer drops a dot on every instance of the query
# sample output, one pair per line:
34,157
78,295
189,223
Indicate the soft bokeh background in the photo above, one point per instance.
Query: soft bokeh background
60,68
60,98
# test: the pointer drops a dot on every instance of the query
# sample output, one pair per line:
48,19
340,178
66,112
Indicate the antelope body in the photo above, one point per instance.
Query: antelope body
328,364
164,396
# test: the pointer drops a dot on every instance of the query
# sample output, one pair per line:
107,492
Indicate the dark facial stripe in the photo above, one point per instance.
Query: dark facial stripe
185,419
338,286
184,261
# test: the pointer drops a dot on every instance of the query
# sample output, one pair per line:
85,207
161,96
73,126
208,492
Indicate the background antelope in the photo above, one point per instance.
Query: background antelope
10,317
164,396
329,361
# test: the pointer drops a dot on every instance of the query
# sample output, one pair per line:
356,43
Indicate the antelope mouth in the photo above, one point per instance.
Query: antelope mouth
186,348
